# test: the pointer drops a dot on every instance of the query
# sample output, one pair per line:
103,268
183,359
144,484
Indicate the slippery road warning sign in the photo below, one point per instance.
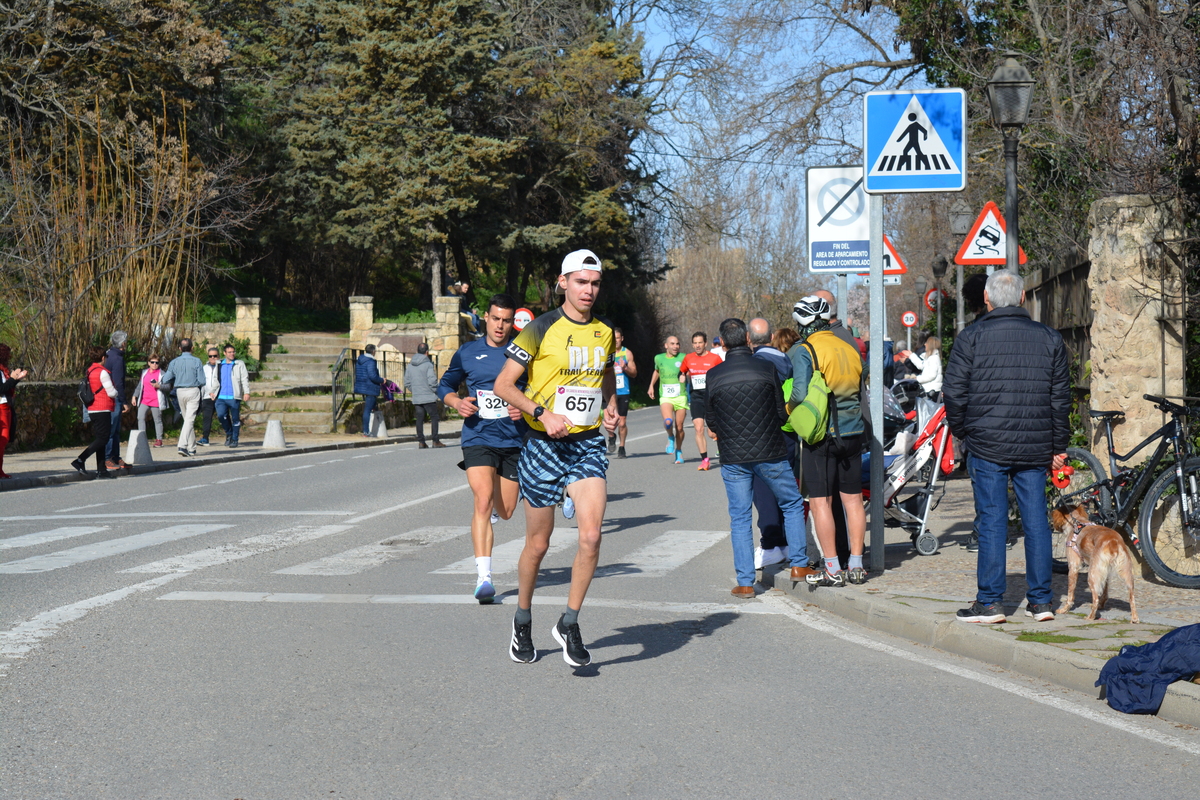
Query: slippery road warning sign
986,242
915,141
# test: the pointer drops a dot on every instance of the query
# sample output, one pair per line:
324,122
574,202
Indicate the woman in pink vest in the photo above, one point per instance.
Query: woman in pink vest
149,398
100,411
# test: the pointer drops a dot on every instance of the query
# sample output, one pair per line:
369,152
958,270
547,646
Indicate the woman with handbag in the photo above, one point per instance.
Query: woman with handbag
149,397
100,410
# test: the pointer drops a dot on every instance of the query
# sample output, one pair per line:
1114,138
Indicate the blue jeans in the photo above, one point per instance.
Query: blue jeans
739,479
229,414
369,402
989,482
113,449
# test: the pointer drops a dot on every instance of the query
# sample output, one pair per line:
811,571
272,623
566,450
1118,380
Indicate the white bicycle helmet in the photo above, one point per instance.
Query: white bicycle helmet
808,309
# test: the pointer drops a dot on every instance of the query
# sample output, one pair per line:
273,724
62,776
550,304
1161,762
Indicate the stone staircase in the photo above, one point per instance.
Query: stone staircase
294,383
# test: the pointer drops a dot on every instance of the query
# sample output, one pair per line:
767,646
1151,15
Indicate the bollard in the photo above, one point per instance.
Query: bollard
378,425
274,439
137,451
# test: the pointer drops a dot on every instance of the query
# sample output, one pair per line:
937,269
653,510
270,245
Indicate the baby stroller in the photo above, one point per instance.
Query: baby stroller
911,469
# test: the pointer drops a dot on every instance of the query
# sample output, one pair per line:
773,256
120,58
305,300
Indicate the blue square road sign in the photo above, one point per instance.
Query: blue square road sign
915,141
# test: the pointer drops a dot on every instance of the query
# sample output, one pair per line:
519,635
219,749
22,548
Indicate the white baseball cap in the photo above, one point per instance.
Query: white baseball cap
580,259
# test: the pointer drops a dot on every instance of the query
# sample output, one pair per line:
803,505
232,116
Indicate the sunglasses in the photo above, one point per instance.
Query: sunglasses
213,355
153,362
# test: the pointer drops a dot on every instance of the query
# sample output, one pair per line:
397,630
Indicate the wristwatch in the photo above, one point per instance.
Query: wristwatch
537,412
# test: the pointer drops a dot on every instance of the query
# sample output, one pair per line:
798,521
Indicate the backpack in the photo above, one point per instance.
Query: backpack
810,419
84,391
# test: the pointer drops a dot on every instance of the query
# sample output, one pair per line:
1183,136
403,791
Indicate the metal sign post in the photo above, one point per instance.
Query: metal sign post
875,367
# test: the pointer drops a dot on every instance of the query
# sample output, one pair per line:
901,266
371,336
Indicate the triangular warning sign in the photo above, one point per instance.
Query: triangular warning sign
986,242
914,147
892,263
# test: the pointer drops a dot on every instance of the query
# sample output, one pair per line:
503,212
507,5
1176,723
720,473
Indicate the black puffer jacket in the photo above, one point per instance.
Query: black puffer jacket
1007,391
745,408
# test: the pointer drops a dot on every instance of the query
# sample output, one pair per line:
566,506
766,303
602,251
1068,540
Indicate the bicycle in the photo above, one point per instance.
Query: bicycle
1169,516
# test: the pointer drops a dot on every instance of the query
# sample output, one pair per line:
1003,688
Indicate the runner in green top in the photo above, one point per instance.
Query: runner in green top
672,400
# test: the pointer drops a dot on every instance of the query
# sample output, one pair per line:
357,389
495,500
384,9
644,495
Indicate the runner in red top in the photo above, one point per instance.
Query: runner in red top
695,366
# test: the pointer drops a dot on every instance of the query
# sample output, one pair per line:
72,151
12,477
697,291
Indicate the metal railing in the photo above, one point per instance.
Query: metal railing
343,372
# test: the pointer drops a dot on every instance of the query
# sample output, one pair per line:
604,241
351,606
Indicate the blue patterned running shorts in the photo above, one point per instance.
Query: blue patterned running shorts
547,466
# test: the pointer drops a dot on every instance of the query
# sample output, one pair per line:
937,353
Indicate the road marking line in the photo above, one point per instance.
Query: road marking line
23,637
368,455
333,461
360,559
234,480
505,556
138,497
661,555
235,551
189,488
159,515
80,508
806,618
45,537
98,550
306,466
463,599
276,472
390,509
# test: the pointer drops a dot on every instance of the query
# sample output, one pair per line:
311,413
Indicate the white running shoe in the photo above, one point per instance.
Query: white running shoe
758,557
568,506
495,518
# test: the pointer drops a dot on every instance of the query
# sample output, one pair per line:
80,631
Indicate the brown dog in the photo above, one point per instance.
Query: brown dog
1102,549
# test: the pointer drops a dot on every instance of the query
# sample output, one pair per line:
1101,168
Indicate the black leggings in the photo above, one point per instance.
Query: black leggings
419,412
101,427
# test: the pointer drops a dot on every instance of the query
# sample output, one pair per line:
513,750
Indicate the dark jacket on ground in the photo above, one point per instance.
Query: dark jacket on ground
1007,390
1137,678
745,408
114,362
366,376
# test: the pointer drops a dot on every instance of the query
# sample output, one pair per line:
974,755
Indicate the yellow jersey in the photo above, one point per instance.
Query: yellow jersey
565,362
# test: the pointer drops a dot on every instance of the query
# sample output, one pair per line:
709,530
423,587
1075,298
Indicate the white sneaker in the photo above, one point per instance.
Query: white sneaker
758,557
495,518
773,556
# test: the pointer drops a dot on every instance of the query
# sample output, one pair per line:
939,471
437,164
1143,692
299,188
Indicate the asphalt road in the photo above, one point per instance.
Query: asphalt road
302,627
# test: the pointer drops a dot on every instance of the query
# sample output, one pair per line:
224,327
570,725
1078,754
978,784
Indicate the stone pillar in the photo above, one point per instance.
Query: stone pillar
362,317
449,331
247,325
162,323
1137,304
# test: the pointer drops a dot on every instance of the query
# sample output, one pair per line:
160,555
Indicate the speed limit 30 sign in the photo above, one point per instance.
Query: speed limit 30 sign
909,318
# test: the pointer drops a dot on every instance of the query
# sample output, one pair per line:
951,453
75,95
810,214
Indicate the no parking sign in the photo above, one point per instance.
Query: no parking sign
522,318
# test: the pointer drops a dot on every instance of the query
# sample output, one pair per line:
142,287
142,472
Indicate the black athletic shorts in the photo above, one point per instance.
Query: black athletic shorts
699,401
622,405
502,459
830,468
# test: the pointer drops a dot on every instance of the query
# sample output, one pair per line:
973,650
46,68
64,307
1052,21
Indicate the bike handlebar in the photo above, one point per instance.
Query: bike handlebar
1165,405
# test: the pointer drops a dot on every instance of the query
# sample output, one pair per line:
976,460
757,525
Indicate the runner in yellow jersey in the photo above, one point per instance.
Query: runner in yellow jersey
567,359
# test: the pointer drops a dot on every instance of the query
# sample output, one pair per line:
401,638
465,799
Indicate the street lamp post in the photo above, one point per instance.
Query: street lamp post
940,265
1009,92
920,283
960,225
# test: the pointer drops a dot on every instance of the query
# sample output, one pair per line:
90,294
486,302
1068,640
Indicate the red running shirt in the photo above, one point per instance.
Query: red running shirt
697,367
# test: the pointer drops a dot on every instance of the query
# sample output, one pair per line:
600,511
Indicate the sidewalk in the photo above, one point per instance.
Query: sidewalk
50,467
917,596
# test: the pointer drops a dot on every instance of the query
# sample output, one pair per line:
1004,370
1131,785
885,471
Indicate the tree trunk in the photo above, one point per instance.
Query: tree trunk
435,255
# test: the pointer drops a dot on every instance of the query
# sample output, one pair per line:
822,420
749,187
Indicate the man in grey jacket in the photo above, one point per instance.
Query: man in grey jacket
421,381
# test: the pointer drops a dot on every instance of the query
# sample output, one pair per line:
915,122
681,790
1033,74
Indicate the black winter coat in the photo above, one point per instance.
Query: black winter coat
1007,391
745,408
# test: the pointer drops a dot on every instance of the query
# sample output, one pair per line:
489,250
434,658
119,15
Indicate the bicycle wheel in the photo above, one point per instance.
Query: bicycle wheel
1171,542
1081,491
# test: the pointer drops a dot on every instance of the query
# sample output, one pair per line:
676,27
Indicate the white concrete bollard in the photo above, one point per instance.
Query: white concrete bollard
274,439
138,450
378,426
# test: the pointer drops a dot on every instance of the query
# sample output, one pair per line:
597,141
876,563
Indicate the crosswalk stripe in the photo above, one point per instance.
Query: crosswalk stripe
112,547
235,551
45,537
360,559
661,555
505,556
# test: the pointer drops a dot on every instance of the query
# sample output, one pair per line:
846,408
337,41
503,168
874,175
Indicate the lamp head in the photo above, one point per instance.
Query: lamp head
1010,92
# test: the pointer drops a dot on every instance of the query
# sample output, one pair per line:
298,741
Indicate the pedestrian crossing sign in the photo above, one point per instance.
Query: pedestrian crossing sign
915,141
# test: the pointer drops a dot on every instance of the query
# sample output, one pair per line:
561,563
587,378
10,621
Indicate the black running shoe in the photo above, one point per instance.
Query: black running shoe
574,653
521,648
621,452
612,445
971,545
1041,612
988,614
78,465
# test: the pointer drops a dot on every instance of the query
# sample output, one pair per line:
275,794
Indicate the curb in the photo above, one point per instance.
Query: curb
1053,664
14,484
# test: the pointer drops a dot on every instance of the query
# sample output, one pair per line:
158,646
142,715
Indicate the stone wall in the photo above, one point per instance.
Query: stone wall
1137,303
48,414
444,335
395,414
205,333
